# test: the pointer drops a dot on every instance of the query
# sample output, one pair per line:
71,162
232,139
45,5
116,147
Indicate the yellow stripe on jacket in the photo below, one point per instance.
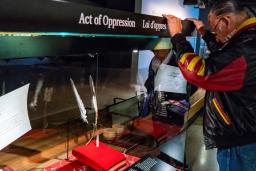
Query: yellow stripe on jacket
221,112
190,62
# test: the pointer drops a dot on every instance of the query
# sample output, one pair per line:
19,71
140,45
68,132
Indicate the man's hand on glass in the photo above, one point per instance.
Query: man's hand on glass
174,24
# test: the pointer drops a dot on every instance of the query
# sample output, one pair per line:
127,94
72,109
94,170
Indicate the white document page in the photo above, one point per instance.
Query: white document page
170,79
14,120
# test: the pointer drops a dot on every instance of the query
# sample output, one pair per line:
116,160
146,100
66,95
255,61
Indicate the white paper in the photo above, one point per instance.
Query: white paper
170,79
14,120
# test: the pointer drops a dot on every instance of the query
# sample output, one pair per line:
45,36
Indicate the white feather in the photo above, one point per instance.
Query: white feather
95,106
92,86
79,102
94,99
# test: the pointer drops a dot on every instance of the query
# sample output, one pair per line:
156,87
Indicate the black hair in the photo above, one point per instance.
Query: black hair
231,6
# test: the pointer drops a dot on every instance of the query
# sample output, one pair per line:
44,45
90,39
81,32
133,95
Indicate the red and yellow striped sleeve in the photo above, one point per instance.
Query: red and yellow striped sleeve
192,63
230,77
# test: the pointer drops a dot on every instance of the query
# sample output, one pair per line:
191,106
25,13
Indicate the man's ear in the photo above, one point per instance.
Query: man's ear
228,21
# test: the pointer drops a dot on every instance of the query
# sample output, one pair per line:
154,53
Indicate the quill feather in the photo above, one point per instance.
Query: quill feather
94,99
79,102
94,102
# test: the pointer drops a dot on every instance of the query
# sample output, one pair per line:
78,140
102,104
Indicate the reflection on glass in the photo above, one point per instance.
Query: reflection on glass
55,117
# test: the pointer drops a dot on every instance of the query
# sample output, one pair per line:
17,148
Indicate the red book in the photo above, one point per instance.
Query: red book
100,158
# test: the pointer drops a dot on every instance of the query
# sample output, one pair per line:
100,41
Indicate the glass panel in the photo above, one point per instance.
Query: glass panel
52,106
57,127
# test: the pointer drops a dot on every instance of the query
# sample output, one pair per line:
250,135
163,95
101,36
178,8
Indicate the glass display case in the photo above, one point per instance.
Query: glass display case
39,60
55,118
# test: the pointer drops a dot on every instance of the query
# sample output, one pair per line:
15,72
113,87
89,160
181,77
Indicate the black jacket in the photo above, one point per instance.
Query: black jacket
229,76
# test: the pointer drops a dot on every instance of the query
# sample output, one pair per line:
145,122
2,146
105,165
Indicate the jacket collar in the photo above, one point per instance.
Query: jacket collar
247,24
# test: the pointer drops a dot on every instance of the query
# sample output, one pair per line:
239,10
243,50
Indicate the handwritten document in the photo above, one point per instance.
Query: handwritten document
14,120
170,79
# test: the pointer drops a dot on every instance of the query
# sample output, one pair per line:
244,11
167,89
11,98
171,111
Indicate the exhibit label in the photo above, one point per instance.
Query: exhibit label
14,120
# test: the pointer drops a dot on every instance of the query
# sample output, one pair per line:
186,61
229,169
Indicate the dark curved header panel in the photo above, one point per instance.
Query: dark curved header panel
48,17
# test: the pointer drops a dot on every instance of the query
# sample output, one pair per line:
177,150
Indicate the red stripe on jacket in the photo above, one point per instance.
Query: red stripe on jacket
229,78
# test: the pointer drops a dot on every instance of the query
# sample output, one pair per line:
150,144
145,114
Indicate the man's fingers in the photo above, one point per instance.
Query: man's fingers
174,24
169,16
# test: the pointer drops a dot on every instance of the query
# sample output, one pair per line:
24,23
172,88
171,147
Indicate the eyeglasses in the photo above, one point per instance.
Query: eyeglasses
216,25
